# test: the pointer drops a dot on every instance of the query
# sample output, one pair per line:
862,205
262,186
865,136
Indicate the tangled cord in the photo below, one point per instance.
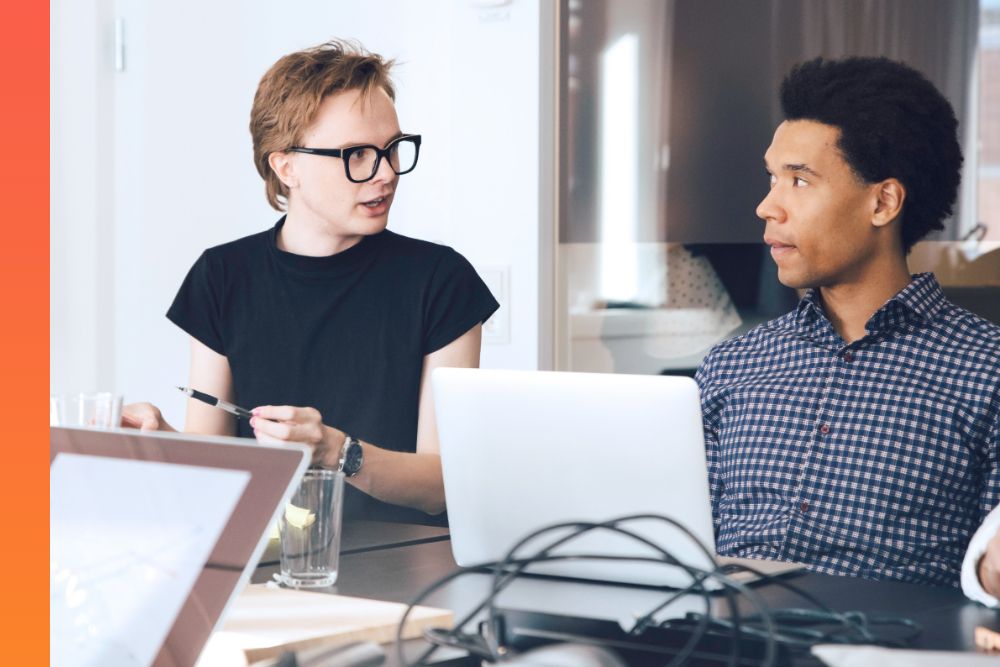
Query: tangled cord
786,626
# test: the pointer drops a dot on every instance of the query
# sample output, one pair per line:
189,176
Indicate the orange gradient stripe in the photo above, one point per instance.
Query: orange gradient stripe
24,274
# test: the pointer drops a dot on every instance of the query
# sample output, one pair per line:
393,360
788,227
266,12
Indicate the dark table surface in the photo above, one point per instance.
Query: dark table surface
361,536
399,561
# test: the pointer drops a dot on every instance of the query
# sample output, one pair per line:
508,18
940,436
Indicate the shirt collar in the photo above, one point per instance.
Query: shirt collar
919,301
923,297
809,312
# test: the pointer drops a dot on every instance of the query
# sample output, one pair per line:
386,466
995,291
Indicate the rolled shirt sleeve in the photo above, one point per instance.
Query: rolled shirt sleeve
971,585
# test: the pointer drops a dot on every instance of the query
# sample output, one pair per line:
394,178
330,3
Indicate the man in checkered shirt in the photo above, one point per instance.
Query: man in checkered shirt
859,433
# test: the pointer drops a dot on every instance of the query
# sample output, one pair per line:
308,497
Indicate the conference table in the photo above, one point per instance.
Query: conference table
395,562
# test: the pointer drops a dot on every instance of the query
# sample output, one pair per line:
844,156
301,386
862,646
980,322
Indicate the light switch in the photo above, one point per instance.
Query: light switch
496,330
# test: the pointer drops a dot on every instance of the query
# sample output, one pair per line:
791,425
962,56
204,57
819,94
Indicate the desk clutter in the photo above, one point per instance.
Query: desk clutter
266,621
668,630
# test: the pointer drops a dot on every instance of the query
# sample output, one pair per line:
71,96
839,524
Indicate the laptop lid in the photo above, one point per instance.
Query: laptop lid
152,536
522,450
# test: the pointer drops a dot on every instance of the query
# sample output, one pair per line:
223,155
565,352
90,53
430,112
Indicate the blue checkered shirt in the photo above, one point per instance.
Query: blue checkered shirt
875,459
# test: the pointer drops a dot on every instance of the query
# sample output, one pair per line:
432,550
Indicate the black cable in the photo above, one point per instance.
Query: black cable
791,633
582,527
698,634
503,575
797,635
491,565
522,563
848,619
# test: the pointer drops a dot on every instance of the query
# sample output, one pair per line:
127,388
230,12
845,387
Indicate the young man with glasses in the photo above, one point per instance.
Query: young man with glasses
858,434
328,324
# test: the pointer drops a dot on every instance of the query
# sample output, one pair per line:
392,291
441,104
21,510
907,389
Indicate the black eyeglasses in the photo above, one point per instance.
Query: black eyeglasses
361,163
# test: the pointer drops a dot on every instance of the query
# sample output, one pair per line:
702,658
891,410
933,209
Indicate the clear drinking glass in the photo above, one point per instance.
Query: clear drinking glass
309,531
98,410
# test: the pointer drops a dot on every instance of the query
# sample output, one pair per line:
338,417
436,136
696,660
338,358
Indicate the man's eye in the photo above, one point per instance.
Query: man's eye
361,155
772,179
800,182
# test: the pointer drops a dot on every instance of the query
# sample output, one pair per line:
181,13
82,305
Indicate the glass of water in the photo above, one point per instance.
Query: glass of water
309,531
97,410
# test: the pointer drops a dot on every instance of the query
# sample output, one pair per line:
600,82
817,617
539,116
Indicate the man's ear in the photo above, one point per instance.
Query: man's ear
284,166
889,197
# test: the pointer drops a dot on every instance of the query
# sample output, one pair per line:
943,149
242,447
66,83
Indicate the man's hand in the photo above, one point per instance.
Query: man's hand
144,416
989,567
285,423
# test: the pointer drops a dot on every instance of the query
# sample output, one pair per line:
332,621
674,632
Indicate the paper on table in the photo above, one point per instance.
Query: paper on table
265,621
836,655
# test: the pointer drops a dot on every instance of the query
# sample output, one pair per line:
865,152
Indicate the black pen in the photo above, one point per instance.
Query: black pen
241,413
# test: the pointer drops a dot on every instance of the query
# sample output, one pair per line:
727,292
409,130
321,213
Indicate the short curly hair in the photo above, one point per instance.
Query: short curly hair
290,93
893,123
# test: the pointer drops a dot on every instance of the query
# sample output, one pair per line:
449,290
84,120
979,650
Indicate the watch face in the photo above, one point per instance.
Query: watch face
353,458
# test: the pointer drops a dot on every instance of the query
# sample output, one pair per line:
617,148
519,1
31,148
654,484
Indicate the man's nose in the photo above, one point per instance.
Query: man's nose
770,208
384,173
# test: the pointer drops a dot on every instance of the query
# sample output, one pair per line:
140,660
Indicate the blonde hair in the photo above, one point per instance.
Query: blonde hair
290,93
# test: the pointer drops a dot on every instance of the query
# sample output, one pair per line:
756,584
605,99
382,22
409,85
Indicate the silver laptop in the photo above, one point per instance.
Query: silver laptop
522,450
152,537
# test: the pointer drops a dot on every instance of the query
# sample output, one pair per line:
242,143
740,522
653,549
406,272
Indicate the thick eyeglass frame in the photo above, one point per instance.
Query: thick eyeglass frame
345,155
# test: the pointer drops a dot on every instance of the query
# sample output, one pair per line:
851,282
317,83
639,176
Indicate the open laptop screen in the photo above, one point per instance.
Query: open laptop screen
521,450
152,536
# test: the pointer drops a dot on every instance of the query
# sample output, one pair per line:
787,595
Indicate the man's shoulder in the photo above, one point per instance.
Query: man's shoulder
761,338
421,260
410,246
240,248
968,342
970,330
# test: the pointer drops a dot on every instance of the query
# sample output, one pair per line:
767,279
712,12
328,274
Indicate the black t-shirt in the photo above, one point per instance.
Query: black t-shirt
346,334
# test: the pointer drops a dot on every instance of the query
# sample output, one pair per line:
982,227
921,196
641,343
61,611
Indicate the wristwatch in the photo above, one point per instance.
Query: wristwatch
352,457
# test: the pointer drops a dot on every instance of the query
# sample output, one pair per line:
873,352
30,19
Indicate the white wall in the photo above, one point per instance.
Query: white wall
503,78
153,164
80,251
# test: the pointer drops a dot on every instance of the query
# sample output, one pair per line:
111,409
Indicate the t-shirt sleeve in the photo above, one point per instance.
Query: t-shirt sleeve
197,308
458,299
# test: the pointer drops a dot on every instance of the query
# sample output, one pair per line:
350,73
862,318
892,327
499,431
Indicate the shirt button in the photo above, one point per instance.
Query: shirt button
848,356
824,429
804,506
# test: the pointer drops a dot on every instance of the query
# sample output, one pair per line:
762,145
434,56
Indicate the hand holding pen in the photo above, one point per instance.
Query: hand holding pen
226,406
284,423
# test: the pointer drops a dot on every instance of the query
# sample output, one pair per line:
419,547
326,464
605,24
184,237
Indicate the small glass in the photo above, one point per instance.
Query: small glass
309,531
97,410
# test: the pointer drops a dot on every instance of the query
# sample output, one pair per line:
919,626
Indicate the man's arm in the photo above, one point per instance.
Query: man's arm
400,478
209,372
415,480
981,566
